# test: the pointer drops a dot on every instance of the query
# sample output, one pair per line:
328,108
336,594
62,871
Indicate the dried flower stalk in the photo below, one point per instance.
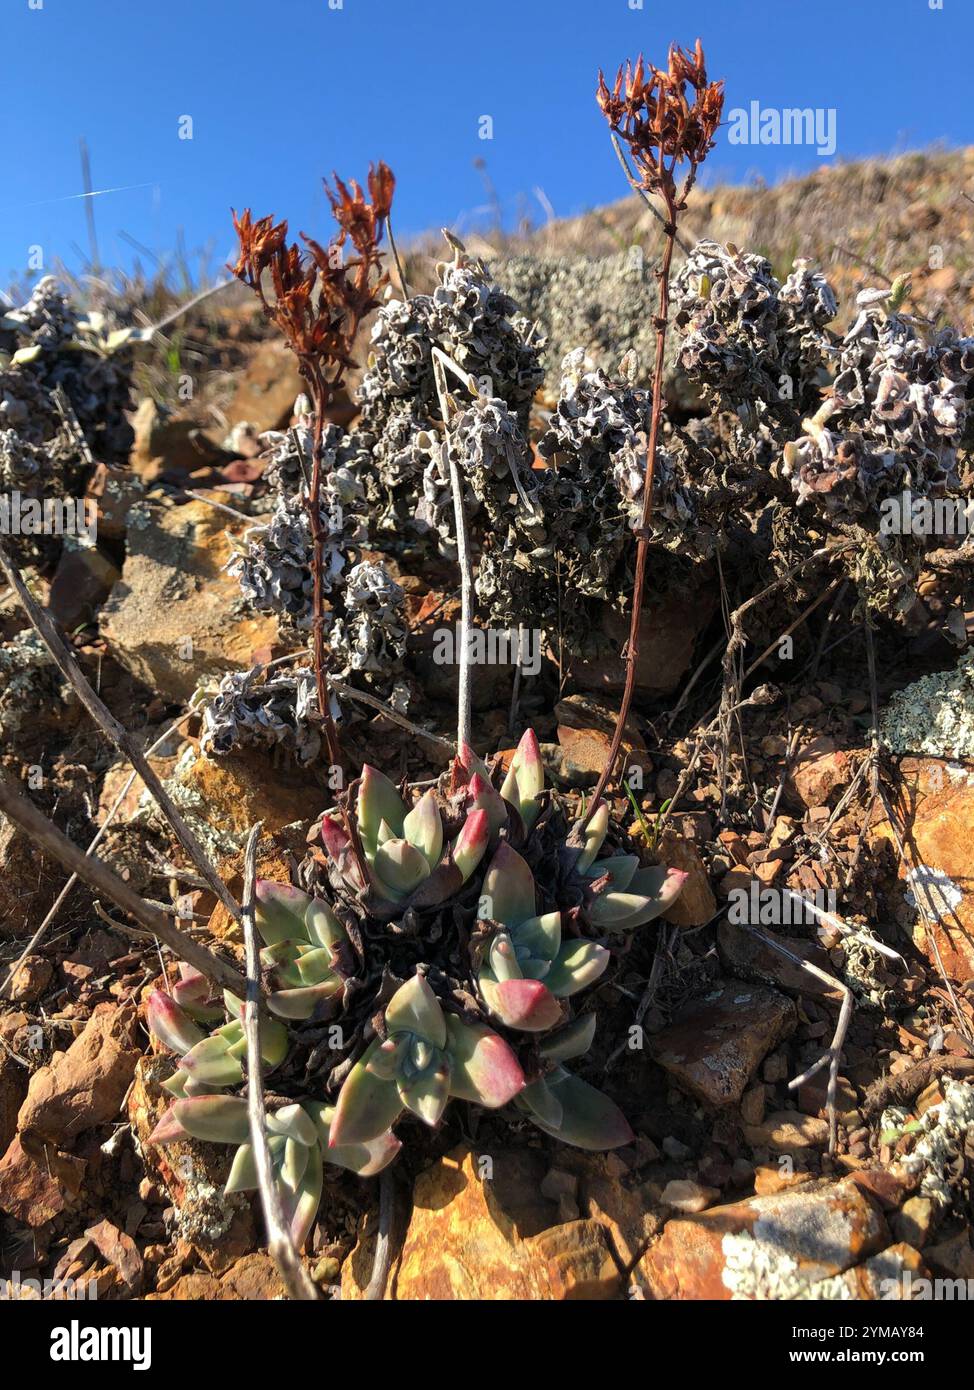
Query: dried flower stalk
649,108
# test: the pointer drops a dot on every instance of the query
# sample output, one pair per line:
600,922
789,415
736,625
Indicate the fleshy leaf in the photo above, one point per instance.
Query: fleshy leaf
294,1122
619,868
378,801
210,1062
364,1159
540,935
624,911
471,844
414,1008
423,828
322,926
527,1005
483,1067
400,867
483,796
300,1003
574,1040
589,1119
279,911
525,779
542,1104
171,1024
426,1095
578,963
367,1106
301,1207
508,891
595,833
219,1119
243,1171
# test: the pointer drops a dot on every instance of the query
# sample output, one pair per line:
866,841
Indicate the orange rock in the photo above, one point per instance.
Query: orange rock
479,1229
935,808
821,770
84,1086
696,905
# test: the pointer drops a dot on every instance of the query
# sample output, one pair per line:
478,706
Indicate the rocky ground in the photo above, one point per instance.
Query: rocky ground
729,1189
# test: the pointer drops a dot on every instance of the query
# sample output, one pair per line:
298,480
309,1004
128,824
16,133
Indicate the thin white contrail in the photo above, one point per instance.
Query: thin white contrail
71,197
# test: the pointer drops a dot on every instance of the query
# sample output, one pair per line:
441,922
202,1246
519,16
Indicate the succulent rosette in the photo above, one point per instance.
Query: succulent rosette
424,1058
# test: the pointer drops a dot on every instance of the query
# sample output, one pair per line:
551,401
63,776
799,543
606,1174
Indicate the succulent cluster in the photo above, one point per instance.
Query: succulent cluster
447,938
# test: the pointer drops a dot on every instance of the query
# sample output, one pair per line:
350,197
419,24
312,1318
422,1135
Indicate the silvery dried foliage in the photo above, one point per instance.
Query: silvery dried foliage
570,545
370,636
477,326
745,336
52,346
897,412
258,709
274,566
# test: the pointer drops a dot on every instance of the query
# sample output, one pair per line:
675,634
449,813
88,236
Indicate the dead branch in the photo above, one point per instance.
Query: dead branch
96,873
67,664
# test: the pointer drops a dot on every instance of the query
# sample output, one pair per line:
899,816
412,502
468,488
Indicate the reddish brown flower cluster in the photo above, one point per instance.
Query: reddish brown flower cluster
319,299
666,117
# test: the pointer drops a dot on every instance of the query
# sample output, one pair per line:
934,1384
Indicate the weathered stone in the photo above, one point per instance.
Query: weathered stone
914,1222
84,1086
696,904
748,957
170,618
668,631
31,980
13,1088
788,1131
579,1261
890,1274
38,1183
29,883
955,1255
254,1278
168,442
82,581
682,1194
121,1252
715,1045
233,792
821,770
219,1228
585,728
193,1288
266,389
776,1247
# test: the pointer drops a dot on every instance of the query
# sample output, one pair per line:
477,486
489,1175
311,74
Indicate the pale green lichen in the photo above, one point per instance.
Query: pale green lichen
934,715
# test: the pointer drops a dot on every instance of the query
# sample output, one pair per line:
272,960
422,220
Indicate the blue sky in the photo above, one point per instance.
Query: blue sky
283,91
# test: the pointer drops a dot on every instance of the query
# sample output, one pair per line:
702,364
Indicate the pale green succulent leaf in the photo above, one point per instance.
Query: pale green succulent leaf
414,1008
578,964
423,828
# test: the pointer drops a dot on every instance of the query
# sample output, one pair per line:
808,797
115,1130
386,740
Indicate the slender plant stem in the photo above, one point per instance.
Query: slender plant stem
68,666
642,547
96,873
464,694
280,1244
